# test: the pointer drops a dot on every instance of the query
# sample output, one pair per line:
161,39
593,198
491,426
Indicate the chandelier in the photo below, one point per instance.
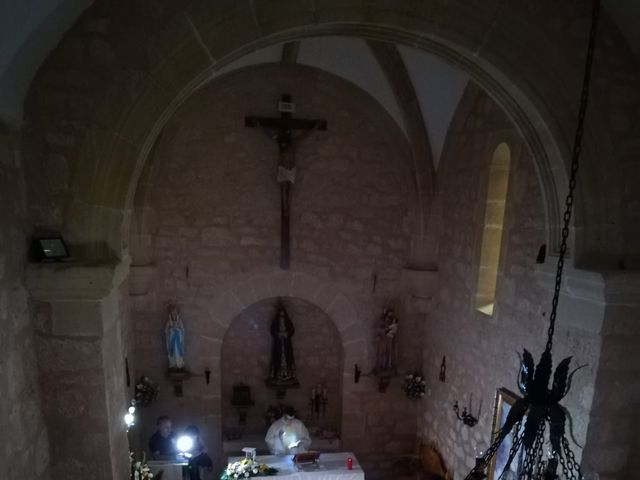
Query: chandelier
541,404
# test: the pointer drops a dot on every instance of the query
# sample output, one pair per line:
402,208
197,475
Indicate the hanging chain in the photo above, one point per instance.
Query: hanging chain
577,149
533,464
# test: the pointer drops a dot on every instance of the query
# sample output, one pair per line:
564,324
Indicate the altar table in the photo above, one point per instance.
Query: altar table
232,448
331,466
172,470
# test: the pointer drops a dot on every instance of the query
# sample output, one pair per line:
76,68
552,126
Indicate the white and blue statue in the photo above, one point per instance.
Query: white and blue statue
174,335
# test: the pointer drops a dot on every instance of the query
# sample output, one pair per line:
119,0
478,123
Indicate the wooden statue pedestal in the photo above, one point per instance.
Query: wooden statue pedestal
177,376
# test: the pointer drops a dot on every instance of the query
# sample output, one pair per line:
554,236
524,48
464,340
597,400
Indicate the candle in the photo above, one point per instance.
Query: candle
313,394
324,393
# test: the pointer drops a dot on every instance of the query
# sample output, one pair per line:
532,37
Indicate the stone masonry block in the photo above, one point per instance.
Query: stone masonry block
343,312
280,284
305,286
325,296
77,318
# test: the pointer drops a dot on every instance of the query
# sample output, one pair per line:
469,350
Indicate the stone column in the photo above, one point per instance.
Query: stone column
605,306
78,312
614,422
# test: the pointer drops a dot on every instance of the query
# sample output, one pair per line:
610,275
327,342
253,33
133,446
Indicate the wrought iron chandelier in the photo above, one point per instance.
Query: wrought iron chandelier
541,404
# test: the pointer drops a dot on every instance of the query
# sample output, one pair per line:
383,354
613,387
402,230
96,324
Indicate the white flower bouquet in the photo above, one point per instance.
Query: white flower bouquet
139,469
414,386
146,391
246,468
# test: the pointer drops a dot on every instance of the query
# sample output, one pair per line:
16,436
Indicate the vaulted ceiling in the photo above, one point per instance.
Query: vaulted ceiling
30,29
438,86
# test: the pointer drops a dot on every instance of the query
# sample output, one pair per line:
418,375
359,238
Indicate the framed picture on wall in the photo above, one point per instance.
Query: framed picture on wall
505,399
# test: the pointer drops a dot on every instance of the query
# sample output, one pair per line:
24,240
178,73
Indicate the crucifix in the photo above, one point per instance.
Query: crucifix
282,128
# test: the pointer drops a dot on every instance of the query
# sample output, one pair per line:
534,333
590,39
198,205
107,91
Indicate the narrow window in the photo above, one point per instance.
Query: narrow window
492,229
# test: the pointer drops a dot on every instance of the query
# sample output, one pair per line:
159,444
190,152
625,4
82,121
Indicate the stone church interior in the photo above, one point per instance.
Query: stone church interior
315,238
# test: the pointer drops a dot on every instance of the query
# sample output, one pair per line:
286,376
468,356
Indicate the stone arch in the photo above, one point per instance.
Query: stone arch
342,310
403,169
135,102
318,356
327,297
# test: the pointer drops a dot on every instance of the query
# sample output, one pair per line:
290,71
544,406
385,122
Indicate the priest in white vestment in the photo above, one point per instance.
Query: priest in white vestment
288,435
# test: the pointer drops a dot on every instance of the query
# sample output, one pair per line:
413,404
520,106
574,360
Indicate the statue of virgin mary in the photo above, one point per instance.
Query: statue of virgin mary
282,372
174,337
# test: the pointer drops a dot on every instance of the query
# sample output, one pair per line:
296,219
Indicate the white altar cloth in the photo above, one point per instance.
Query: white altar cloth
331,466
172,469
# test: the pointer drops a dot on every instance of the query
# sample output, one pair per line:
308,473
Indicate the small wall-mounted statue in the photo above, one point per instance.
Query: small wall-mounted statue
386,351
174,340
174,337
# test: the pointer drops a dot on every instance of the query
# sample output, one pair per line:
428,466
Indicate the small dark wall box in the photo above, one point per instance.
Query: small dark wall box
49,248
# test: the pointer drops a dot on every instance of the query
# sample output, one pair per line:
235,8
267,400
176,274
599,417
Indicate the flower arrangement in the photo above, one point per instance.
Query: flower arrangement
139,469
246,468
146,391
414,386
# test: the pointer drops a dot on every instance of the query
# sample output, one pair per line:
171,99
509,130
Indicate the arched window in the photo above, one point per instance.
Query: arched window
492,229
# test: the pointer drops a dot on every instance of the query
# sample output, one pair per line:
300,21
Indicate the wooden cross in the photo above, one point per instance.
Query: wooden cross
284,127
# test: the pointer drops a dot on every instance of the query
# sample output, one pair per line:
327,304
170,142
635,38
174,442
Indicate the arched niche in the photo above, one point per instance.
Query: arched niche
246,356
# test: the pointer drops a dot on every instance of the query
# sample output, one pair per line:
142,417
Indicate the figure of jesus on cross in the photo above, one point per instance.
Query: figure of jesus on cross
286,177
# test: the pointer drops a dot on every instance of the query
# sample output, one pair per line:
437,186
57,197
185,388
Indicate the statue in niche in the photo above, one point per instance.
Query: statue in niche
174,337
282,372
386,351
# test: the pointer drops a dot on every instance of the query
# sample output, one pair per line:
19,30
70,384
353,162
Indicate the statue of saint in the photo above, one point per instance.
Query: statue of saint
283,366
386,349
174,336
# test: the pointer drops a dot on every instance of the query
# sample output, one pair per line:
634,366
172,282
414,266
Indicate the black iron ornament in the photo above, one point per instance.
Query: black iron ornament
541,404
466,416
126,371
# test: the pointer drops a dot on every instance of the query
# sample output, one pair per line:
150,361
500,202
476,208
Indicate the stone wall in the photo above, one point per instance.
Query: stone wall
23,435
97,103
246,353
116,346
102,93
482,351
78,313
208,218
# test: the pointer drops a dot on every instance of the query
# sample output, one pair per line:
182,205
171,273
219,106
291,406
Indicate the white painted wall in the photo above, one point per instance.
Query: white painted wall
439,87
